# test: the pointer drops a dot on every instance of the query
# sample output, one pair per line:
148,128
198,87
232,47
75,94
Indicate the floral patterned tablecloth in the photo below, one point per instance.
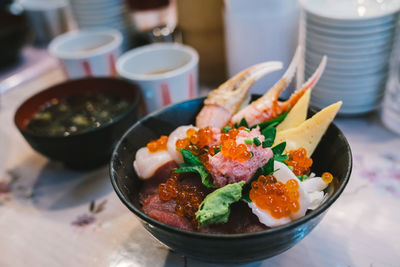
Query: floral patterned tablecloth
51,216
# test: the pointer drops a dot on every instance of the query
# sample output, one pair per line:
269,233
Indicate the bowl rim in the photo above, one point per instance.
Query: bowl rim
148,49
144,217
76,35
133,105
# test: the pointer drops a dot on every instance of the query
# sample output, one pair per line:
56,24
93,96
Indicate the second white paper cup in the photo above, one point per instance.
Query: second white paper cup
166,73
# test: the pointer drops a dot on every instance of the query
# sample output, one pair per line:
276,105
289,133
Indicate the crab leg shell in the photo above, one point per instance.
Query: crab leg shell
253,112
231,93
225,101
308,85
272,95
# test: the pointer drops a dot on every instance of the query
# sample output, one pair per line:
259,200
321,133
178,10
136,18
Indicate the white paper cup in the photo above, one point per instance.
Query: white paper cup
166,73
88,52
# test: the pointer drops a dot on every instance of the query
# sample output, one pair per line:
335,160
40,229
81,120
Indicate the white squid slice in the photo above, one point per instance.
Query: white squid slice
283,174
314,184
315,199
178,133
265,218
146,163
314,187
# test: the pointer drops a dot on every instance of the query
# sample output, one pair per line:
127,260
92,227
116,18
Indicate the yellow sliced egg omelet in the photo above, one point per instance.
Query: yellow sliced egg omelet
297,114
309,133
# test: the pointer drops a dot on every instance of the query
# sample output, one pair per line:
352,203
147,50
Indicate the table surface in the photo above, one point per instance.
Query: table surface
51,216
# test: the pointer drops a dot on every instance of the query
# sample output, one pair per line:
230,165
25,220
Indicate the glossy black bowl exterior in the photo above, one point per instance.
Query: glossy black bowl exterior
87,149
332,154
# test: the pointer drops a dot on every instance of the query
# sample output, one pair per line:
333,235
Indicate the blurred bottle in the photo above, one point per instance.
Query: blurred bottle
261,30
13,34
47,19
155,20
200,23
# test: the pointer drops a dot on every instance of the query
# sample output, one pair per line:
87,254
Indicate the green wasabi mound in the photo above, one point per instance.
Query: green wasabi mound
215,207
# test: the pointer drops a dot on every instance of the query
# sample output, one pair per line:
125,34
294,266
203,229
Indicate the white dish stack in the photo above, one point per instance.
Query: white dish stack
357,36
103,14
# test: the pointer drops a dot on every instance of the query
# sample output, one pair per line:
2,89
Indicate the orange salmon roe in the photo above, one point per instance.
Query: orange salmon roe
299,161
169,189
188,197
188,201
195,140
280,200
230,149
158,145
327,177
204,156
198,143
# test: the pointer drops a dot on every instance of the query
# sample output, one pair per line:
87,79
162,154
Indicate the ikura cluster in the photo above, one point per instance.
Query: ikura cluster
158,145
280,200
188,202
198,142
230,149
195,140
204,156
169,189
188,197
299,161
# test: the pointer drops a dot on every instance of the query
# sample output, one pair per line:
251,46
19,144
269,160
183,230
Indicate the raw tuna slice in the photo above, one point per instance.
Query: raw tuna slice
164,211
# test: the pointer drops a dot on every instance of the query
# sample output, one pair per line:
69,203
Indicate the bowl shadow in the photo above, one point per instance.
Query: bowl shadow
57,188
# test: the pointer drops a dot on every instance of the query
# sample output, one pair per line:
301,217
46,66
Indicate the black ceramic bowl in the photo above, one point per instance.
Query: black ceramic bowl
87,149
332,154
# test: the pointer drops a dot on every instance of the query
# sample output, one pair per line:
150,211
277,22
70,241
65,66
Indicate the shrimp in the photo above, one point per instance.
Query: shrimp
223,102
268,107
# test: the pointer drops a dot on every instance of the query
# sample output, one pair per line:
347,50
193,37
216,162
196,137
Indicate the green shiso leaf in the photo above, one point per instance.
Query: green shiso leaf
269,134
201,170
281,158
275,121
189,158
193,164
279,148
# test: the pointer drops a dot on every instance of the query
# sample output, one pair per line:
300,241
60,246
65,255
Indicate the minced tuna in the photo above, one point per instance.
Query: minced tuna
225,170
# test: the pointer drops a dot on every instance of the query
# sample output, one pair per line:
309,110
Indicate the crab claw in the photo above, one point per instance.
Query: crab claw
308,85
223,102
268,107
255,112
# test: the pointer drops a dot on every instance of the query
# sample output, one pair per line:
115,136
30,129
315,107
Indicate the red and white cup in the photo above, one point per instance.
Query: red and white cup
86,53
166,73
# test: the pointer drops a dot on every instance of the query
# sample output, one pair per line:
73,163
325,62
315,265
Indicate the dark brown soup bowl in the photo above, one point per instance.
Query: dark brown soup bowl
87,149
332,154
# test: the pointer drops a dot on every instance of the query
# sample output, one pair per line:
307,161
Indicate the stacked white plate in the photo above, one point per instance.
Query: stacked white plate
103,14
357,36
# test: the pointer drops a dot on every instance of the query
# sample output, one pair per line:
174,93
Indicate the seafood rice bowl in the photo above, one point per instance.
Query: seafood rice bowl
228,169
